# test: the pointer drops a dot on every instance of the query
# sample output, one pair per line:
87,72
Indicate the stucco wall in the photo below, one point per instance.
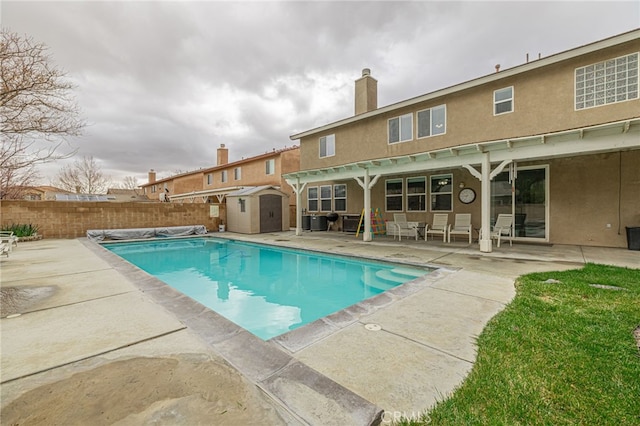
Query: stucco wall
543,103
57,219
592,198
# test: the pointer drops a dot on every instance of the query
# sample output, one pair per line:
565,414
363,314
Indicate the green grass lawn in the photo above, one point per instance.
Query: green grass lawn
560,354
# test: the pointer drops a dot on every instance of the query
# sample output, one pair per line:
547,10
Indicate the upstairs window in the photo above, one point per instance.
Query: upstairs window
432,121
209,179
328,146
607,82
503,101
312,199
223,176
393,195
237,173
270,166
401,128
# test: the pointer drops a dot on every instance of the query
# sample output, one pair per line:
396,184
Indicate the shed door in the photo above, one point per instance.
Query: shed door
270,213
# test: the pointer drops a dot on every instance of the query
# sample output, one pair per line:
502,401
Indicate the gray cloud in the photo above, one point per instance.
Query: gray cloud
162,84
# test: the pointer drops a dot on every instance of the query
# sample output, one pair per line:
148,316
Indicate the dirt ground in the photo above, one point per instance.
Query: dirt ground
174,390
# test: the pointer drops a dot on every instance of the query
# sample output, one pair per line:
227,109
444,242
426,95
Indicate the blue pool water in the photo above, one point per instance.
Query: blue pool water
264,289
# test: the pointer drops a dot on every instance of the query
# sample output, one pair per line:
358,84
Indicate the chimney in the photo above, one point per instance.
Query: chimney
223,155
366,92
152,176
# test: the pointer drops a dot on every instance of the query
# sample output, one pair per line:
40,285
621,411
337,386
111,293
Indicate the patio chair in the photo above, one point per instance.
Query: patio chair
9,238
404,228
462,226
503,228
5,249
440,226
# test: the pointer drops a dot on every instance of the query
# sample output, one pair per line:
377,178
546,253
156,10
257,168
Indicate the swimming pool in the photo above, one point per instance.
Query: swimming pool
265,289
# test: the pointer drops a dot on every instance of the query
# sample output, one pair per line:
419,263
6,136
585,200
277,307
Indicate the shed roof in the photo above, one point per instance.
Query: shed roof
250,190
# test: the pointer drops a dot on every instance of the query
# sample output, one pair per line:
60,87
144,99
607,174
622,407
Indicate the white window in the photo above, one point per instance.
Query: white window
325,198
153,188
312,199
237,173
401,128
223,176
417,194
441,193
503,101
209,179
270,166
340,197
615,80
393,195
432,121
328,146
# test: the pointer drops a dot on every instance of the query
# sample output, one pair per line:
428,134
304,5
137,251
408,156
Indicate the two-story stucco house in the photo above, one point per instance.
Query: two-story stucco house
554,142
211,185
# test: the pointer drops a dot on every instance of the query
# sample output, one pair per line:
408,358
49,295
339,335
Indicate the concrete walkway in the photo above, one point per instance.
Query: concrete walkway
84,310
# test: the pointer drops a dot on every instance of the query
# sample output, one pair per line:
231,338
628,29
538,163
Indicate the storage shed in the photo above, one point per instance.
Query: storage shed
257,209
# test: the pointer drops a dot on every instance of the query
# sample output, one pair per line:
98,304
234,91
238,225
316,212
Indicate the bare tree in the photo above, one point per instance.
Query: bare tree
129,182
37,110
83,177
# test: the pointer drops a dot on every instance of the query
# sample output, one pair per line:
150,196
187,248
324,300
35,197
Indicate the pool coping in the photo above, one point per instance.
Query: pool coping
270,364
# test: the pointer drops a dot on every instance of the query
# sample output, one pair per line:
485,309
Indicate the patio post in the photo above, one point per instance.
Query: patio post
485,205
366,235
297,188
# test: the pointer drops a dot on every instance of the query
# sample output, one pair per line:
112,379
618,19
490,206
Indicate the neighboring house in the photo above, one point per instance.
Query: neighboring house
554,141
34,193
126,195
211,185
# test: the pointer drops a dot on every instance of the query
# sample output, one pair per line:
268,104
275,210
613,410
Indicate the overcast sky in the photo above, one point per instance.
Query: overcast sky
163,84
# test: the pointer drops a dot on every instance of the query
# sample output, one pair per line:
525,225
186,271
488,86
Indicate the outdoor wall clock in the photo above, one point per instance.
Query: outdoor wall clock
467,195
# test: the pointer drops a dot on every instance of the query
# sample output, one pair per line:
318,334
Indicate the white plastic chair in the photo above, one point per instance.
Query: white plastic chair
9,238
403,228
503,228
440,227
461,226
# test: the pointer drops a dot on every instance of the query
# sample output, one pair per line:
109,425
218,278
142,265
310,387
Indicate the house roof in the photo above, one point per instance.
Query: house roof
273,153
122,191
539,63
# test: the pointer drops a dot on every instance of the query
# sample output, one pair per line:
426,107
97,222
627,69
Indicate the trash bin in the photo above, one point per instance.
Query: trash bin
306,223
633,237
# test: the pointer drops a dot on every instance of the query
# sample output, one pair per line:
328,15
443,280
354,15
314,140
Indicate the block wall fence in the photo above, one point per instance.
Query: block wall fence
72,219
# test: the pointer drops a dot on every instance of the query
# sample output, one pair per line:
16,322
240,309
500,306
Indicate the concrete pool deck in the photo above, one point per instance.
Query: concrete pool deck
86,316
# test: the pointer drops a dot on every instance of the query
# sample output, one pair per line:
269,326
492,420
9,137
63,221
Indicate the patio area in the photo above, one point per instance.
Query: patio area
89,335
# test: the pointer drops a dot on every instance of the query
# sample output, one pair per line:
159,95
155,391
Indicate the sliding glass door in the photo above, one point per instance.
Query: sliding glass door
523,192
